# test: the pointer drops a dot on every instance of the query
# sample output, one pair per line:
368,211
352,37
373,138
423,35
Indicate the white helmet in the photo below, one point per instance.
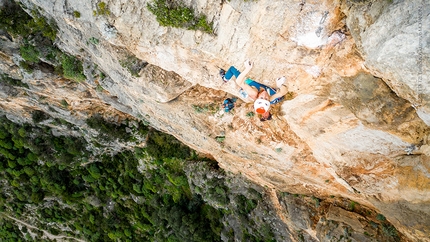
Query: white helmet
261,106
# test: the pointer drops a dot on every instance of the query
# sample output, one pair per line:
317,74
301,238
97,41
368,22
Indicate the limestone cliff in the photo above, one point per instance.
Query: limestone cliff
354,125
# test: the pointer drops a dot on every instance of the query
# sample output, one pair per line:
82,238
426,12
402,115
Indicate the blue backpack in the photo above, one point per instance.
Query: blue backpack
228,104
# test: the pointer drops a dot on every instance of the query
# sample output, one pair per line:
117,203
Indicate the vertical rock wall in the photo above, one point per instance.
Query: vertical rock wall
354,125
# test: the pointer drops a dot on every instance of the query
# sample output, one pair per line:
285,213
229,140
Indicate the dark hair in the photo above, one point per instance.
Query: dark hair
265,119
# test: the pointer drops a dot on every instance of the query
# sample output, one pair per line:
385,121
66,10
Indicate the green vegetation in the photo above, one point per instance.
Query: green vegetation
64,103
111,131
99,88
380,217
9,231
37,45
110,179
317,201
29,52
94,41
12,82
390,230
102,196
174,14
220,139
18,23
210,108
101,9
14,20
387,229
38,116
40,24
76,14
72,68
300,236
351,205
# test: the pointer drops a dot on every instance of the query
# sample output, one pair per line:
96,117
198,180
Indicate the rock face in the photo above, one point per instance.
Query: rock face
355,123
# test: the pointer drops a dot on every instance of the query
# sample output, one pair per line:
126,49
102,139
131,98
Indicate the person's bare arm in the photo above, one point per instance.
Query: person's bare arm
282,91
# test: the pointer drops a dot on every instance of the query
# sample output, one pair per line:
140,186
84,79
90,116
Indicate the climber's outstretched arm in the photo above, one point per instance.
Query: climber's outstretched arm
240,80
282,91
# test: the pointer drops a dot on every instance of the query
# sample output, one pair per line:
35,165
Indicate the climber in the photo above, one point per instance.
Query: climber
261,94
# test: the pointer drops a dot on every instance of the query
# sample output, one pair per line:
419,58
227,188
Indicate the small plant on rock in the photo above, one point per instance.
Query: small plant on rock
101,9
76,14
64,103
220,139
380,217
351,205
93,41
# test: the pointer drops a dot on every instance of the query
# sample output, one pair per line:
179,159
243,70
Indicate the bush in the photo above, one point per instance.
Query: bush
76,14
94,41
390,230
178,16
14,20
13,82
72,68
29,53
101,9
40,24
28,67
380,217
17,22
108,130
38,116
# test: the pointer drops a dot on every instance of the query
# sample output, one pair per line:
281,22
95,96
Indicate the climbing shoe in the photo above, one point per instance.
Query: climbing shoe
222,74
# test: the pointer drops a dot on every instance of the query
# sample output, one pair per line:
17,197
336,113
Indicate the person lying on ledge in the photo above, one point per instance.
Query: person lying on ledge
261,94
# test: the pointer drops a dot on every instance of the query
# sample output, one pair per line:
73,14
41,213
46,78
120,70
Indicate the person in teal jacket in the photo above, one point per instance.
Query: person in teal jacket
262,95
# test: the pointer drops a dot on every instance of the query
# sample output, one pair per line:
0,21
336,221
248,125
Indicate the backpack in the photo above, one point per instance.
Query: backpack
228,104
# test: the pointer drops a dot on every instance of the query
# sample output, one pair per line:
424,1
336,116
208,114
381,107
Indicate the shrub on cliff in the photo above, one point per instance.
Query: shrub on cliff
17,22
13,82
29,53
72,68
14,20
178,16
